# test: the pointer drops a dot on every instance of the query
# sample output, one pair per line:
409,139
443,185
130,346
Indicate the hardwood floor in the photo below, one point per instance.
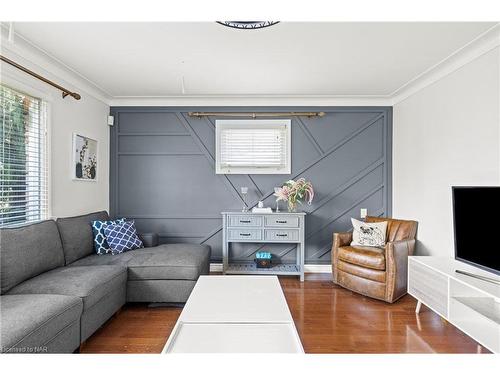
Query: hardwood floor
329,319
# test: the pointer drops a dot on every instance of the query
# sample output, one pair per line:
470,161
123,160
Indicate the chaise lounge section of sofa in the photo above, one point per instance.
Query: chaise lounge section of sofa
56,292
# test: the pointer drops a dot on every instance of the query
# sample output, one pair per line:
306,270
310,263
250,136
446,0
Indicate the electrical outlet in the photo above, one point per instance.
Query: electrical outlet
363,213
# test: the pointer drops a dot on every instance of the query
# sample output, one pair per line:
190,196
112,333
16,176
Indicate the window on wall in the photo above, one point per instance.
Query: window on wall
253,146
23,158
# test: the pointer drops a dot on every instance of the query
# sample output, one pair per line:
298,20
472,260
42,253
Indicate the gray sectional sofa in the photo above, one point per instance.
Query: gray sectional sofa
56,292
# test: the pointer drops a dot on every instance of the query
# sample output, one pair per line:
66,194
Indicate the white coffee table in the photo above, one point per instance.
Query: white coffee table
235,314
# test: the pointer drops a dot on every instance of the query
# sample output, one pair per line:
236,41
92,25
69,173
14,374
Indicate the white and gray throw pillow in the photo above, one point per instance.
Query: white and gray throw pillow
368,234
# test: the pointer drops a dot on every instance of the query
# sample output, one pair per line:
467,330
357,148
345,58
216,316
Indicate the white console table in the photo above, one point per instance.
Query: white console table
470,304
272,227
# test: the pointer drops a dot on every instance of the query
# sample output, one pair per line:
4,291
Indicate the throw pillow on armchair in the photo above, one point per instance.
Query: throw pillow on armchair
368,234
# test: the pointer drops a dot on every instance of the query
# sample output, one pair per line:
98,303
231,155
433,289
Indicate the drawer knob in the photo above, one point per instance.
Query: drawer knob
245,221
281,221
245,234
282,235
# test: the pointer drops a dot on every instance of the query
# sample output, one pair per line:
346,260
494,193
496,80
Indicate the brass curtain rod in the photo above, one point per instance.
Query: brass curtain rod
65,92
256,114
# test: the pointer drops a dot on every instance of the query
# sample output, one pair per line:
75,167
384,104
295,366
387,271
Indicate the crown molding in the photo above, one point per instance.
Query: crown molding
38,60
250,100
476,48
479,46
33,57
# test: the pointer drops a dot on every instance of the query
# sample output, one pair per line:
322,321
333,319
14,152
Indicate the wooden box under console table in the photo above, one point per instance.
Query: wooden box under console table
286,227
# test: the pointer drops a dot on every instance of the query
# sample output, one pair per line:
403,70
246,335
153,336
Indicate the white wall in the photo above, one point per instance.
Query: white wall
446,134
86,116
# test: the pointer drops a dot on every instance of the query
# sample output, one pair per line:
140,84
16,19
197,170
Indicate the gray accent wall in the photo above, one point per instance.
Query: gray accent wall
162,174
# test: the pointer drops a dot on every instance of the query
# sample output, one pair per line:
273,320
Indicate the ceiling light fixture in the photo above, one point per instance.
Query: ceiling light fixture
248,25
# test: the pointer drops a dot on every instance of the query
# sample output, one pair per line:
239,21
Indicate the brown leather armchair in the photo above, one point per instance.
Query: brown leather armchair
379,273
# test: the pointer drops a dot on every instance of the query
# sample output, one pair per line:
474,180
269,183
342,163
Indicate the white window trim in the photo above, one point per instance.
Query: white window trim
220,124
47,108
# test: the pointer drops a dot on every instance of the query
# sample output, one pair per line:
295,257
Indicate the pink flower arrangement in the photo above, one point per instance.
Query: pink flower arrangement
295,192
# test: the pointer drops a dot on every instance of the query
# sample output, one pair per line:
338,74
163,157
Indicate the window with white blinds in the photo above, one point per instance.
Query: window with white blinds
23,158
253,146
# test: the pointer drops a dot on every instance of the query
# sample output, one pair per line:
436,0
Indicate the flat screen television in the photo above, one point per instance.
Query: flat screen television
476,214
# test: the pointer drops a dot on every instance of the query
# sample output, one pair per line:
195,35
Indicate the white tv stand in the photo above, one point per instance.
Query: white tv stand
472,305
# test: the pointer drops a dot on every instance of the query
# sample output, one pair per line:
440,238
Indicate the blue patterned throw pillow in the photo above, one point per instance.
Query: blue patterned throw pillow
122,237
100,244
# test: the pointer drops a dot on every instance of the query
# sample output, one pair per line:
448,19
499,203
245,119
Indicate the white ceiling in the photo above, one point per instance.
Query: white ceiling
344,59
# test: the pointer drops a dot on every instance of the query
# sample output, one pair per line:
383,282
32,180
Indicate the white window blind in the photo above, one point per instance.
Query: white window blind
23,158
253,146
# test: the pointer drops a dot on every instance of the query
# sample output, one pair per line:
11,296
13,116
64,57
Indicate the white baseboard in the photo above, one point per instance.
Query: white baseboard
308,268
318,268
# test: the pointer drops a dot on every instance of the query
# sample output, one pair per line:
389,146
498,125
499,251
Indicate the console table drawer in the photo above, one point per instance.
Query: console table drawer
282,221
245,221
245,234
281,235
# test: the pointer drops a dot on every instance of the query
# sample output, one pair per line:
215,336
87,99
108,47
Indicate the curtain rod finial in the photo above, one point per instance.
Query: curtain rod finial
72,94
